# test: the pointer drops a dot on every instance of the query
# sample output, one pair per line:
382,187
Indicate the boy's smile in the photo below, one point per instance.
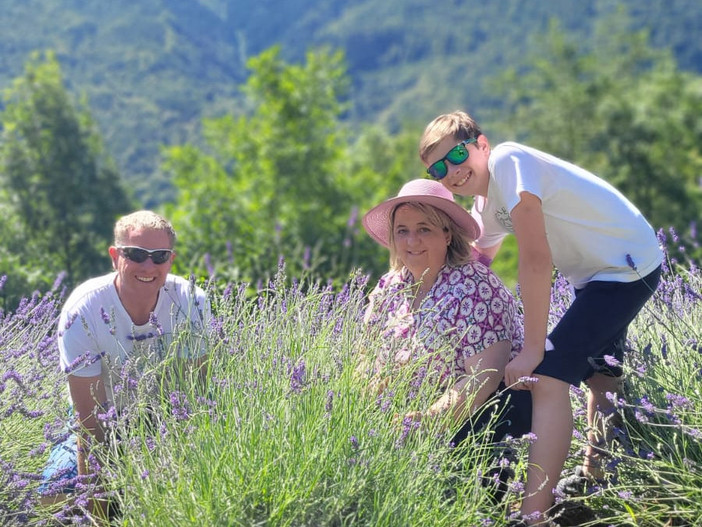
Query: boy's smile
470,177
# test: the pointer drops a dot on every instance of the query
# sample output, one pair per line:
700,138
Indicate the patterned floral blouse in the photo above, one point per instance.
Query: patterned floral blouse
467,309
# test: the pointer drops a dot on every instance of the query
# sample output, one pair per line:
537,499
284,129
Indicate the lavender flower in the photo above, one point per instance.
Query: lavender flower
180,407
630,262
330,402
529,438
353,217
408,425
306,258
297,377
611,361
208,264
384,400
640,416
153,321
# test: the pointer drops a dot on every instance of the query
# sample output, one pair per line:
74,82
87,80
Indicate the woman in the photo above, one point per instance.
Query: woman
439,305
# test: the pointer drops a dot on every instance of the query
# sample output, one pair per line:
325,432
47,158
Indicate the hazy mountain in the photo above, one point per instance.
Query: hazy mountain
152,70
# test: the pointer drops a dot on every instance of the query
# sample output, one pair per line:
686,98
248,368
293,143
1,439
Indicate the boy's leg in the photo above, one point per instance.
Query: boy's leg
593,327
601,415
602,418
552,423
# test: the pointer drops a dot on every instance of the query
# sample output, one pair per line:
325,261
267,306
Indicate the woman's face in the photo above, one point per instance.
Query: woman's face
419,244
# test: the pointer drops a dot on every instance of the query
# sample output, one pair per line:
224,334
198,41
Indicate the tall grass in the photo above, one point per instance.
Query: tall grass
282,429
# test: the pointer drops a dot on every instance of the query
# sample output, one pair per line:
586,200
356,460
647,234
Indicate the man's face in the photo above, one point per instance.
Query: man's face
146,278
471,176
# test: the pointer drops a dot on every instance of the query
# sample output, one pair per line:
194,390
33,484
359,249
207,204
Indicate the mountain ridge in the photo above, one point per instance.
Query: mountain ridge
152,71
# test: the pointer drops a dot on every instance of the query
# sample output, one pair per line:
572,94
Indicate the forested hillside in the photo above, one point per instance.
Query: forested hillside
152,70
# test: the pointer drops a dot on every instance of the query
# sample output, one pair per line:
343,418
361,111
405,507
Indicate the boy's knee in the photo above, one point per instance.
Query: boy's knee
549,386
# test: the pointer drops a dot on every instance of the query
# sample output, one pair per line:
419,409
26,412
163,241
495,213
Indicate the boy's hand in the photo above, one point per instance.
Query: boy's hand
518,372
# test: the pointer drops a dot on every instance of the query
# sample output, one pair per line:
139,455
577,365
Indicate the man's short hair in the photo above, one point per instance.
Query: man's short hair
143,219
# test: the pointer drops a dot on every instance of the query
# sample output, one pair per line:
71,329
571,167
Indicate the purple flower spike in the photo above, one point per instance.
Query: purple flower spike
630,262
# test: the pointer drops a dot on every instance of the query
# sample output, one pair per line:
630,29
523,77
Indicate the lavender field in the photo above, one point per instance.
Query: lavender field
284,432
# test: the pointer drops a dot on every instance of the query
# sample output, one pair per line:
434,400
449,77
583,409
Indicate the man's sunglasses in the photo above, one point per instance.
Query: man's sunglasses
457,155
139,255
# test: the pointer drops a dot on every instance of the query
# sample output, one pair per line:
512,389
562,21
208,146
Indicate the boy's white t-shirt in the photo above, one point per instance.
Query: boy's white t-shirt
593,231
96,335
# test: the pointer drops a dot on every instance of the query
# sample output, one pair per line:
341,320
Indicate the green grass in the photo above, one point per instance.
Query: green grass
285,432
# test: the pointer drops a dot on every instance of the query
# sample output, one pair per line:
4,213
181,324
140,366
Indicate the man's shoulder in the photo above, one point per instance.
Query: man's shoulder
182,291
92,290
183,286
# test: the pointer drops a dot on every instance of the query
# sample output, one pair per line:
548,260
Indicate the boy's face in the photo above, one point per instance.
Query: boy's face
469,178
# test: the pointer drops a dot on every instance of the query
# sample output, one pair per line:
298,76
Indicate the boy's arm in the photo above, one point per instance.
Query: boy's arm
535,271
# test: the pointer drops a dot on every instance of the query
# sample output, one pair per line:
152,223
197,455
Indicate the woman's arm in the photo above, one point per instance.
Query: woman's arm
483,373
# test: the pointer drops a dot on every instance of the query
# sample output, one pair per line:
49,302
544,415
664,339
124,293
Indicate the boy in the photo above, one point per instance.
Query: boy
561,215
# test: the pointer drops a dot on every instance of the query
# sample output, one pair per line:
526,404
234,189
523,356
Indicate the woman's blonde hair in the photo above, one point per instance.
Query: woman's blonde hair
459,250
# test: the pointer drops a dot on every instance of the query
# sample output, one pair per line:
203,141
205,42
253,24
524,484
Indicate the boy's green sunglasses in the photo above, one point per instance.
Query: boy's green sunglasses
457,155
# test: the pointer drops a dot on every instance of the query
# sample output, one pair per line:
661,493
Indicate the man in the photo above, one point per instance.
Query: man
130,316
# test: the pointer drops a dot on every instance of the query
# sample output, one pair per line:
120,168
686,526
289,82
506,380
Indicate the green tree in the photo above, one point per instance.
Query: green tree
621,109
277,181
20,259
376,166
266,186
63,193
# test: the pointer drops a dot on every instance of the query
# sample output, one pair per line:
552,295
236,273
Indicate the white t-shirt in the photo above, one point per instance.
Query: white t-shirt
593,231
96,335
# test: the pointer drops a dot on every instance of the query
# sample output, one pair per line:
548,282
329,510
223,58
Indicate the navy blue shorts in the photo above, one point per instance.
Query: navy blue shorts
594,326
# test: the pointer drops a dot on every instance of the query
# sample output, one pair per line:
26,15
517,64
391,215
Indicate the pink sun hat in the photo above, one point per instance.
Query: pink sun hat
377,220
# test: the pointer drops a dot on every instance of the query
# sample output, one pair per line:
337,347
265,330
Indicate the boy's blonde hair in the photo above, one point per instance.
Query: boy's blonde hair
143,219
458,125
459,251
